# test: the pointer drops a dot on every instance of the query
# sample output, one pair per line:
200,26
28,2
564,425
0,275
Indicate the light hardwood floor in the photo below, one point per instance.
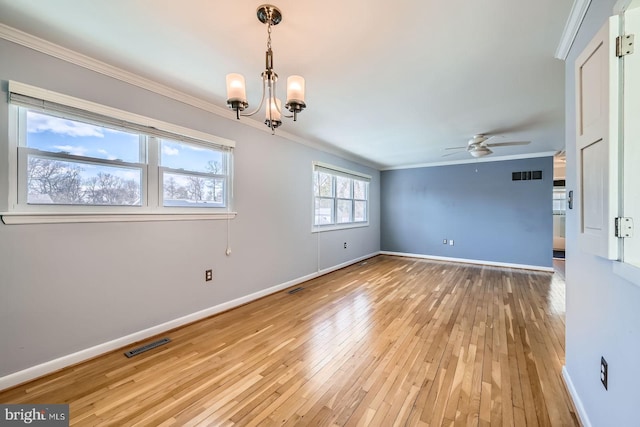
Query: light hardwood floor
390,341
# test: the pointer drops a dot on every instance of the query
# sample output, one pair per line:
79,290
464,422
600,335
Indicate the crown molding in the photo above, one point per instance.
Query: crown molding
46,47
571,27
43,46
476,160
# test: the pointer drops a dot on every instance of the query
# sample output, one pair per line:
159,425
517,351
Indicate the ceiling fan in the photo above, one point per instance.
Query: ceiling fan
478,146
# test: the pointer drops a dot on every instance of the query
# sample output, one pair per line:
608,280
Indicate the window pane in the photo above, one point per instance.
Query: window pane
360,189
360,211
323,184
343,187
51,181
57,135
192,190
192,157
324,211
344,211
559,201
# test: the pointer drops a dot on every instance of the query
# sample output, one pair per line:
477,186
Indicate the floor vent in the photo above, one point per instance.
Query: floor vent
146,347
293,291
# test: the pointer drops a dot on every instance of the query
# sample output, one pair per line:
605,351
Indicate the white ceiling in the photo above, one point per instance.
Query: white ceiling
390,82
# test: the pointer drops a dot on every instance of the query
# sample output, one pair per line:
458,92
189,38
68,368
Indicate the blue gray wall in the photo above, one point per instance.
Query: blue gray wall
68,287
603,309
477,205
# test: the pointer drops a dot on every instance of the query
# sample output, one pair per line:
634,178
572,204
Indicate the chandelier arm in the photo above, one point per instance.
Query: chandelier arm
261,101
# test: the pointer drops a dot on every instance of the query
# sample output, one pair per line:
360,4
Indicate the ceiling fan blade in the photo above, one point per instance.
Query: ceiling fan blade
456,148
451,154
506,144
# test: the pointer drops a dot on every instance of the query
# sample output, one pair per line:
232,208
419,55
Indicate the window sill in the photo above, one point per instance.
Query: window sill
323,228
62,218
627,271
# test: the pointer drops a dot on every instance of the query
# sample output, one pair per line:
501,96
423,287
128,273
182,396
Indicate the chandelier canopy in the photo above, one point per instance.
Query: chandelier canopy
236,89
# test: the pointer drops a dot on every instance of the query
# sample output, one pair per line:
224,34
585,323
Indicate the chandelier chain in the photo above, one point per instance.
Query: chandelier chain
269,17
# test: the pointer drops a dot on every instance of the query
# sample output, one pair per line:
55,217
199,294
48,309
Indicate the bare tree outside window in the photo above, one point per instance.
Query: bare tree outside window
214,167
195,188
60,182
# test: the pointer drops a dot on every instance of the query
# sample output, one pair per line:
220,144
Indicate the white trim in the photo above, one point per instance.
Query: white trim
573,394
43,46
470,261
627,271
571,27
476,160
14,218
115,113
344,264
334,227
118,343
621,6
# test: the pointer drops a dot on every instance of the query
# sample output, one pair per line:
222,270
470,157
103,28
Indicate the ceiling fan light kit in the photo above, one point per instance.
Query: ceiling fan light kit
236,88
480,151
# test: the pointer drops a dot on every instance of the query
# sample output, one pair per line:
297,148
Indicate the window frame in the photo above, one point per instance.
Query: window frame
23,191
628,265
150,131
226,177
336,171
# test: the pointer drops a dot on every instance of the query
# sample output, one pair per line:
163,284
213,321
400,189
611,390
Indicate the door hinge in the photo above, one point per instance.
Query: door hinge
624,227
624,45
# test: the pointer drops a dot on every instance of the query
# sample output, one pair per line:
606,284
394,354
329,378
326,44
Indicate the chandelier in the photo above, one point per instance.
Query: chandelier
236,89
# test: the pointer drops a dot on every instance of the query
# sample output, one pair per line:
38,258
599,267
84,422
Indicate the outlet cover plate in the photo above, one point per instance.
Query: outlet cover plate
604,373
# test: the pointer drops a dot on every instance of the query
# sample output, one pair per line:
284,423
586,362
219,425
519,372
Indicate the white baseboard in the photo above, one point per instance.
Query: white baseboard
470,261
82,355
573,394
345,264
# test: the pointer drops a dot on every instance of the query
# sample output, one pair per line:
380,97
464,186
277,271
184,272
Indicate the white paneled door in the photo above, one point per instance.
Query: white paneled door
597,142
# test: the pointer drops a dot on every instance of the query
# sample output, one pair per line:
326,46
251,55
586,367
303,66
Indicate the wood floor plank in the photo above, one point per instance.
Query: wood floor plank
389,342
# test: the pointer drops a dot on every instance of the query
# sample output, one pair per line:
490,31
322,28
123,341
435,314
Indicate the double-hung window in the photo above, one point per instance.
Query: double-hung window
341,197
71,156
193,175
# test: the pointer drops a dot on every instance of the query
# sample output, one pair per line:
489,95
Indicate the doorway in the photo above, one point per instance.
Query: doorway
559,205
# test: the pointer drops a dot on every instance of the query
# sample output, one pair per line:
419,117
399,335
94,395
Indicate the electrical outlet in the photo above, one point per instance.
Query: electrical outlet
444,241
450,242
345,245
208,275
604,373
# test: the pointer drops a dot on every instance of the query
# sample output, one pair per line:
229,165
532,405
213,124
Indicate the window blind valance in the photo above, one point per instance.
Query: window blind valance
58,104
335,170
